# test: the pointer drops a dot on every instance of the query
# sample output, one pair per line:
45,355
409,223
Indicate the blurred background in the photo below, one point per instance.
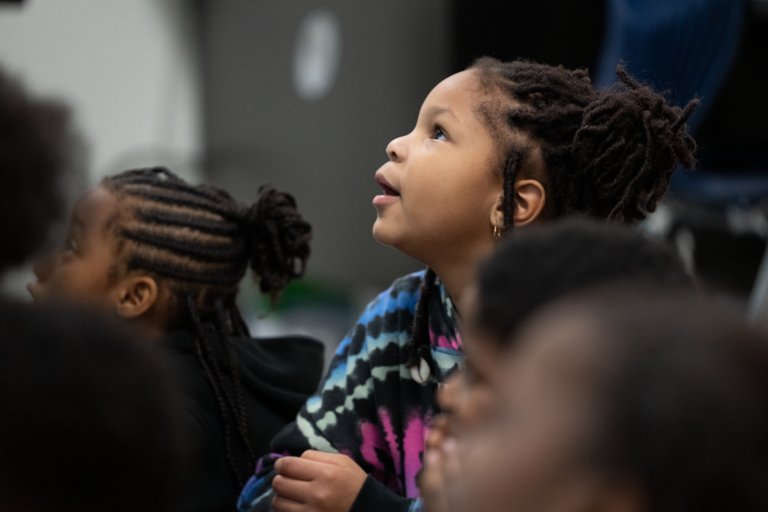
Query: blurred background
306,94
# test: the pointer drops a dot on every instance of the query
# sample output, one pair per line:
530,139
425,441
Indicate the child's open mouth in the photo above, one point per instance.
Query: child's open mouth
388,191
390,194
386,187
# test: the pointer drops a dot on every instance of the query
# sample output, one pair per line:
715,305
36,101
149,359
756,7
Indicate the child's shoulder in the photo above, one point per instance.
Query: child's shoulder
403,294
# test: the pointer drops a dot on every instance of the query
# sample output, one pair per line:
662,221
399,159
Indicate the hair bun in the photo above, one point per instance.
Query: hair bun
629,144
278,237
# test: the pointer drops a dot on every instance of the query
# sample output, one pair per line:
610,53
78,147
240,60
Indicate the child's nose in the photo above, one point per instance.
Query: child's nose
397,150
42,268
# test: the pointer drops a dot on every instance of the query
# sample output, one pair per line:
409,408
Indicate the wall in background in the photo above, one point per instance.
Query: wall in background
325,149
128,68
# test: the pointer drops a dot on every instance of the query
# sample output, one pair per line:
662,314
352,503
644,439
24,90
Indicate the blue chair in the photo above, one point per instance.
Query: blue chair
684,46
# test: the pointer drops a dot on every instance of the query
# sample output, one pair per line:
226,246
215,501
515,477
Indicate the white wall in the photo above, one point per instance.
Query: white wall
129,70
127,67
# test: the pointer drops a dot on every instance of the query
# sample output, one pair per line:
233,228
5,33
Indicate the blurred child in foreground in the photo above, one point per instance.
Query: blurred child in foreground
89,418
528,271
623,400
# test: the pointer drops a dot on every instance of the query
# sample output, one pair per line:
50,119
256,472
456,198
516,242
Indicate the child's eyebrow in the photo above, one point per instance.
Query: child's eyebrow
436,111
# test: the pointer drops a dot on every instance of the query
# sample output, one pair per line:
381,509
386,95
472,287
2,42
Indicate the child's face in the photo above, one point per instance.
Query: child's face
79,269
530,452
440,188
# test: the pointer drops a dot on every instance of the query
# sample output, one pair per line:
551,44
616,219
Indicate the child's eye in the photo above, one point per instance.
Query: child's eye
439,134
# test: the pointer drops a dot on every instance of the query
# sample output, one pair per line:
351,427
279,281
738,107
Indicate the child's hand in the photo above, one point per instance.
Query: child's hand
439,466
316,482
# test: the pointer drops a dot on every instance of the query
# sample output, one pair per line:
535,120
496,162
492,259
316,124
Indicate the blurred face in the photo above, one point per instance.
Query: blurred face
439,188
467,396
529,454
79,269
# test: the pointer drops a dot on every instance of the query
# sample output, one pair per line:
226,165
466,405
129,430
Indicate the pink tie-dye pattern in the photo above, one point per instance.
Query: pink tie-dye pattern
444,341
394,449
413,446
371,440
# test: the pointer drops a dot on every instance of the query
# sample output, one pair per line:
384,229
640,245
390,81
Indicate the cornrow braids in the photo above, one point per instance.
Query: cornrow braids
607,154
199,241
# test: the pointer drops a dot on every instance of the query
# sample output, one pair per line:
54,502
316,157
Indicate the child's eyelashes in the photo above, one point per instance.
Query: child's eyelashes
439,134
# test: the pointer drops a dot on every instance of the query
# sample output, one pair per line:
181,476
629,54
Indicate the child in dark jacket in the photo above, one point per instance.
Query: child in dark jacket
496,148
169,256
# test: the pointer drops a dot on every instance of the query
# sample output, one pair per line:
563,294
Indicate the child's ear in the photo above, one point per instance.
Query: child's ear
530,198
136,295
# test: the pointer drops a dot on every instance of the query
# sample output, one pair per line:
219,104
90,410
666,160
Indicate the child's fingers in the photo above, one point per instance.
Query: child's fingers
295,490
437,433
451,461
298,468
281,504
327,458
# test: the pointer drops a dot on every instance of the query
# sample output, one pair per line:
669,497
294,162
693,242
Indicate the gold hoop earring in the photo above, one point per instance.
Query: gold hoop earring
496,232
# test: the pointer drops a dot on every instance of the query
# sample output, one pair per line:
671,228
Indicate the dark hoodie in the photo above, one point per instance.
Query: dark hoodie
277,375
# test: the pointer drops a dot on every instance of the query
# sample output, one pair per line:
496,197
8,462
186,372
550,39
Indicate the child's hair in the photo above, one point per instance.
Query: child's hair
90,418
683,394
607,154
541,265
199,241
38,147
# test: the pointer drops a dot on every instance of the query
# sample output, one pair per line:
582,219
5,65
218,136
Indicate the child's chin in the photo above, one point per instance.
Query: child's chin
384,233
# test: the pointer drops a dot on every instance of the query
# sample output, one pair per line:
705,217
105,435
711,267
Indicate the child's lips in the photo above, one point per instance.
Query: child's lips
389,195
388,191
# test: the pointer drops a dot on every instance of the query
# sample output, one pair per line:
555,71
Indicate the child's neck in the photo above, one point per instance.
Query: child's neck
457,274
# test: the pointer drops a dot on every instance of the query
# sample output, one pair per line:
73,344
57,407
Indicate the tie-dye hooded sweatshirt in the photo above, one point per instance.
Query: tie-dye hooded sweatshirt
370,407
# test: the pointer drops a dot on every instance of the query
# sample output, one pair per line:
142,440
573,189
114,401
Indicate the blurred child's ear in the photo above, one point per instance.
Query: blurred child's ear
530,198
136,295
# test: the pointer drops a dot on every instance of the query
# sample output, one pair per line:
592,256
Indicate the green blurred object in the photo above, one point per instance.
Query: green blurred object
308,292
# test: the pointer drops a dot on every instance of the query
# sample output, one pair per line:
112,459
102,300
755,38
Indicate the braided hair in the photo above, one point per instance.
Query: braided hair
199,241
607,154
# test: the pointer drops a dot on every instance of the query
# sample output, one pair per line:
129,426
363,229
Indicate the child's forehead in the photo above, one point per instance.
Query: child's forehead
95,206
455,91
563,341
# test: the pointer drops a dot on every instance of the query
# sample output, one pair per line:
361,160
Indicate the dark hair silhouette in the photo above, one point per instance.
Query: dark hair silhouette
540,265
199,241
682,395
607,154
38,147
89,415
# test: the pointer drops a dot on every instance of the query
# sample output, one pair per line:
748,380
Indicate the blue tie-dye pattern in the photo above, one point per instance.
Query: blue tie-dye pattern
243,504
417,505
353,354
373,310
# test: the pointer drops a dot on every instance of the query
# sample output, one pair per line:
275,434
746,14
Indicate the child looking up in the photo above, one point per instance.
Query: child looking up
623,400
169,256
495,148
